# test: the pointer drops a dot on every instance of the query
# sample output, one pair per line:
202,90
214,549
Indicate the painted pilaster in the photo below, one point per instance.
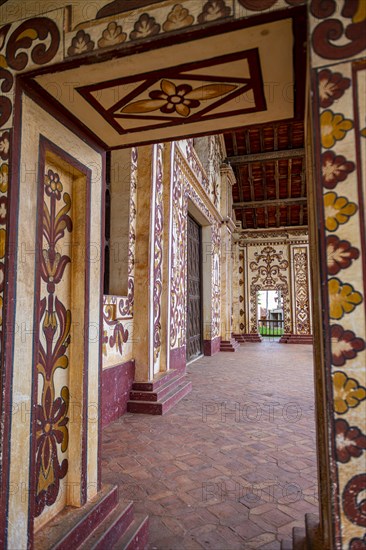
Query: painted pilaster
236,289
338,85
149,336
226,266
226,282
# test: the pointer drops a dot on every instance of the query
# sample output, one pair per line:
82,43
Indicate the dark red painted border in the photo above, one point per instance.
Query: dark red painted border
9,311
58,111
211,347
359,66
116,386
101,289
323,292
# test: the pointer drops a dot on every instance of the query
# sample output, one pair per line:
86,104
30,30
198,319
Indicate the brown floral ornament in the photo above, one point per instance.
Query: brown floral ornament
350,441
335,168
257,5
144,27
339,254
112,36
4,145
358,544
180,99
345,345
355,507
81,43
178,18
212,10
331,87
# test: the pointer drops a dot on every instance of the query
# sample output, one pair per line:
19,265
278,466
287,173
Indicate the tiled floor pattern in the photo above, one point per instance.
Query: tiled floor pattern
233,465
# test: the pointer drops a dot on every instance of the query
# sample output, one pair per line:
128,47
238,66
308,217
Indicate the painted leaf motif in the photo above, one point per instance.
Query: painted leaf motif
144,106
168,87
210,91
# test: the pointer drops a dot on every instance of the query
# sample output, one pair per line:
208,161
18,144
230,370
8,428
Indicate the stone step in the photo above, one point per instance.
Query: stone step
136,537
229,345
299,538
158,393
163,406
296,339
115,525
251,337
239,338
73,525
159,380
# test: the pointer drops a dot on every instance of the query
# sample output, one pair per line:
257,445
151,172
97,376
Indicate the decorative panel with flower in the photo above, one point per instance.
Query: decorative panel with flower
194,91
341,111
54,341
301,291
269,270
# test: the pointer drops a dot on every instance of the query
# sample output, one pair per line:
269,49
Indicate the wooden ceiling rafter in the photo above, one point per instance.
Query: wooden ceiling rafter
266,156
269,163
252,194
271,202
275,137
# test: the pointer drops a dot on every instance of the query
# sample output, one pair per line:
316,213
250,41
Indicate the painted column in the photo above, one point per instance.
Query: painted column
301,299
338,80
149,333
55,361
227,180
236,289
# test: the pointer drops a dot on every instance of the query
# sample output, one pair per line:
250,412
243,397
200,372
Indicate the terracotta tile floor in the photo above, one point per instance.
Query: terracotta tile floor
233,465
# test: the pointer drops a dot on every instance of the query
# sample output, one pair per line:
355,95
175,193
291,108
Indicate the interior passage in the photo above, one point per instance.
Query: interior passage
233,465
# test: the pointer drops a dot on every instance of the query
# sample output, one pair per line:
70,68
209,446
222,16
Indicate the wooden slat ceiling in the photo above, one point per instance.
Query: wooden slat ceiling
269,165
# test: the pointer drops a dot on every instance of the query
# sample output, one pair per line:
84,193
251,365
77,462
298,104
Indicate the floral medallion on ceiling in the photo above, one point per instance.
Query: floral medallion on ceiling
193,92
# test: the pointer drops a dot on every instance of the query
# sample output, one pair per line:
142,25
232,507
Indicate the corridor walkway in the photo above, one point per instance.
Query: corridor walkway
233,465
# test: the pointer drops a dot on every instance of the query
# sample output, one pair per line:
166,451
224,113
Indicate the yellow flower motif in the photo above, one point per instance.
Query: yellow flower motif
337,210
105,341
333,127
347,392
360,14
4,169
2,242
342,297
